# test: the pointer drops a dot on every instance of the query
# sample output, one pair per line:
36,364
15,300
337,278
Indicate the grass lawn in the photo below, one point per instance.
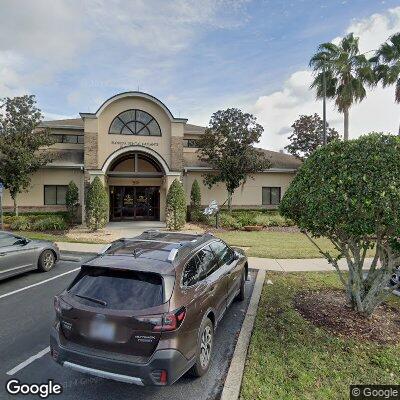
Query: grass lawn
289,358
259,244
276,244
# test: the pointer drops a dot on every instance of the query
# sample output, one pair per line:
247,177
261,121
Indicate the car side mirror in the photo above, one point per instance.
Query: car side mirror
236,256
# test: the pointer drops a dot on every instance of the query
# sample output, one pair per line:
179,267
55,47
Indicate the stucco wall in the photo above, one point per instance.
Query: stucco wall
250,195
35,195
107,144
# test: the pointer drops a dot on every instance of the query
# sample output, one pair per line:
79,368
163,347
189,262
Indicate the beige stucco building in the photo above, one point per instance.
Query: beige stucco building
137,147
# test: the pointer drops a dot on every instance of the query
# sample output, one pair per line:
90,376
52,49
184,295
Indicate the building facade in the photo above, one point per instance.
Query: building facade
137,148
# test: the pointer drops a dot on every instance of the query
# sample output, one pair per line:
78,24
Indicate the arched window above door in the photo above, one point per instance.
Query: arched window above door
135,122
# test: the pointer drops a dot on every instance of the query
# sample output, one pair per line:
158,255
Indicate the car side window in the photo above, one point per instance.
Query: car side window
207,261
191,272
225,254
7,239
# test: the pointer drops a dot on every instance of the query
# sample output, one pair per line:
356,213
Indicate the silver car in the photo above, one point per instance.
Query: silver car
19,254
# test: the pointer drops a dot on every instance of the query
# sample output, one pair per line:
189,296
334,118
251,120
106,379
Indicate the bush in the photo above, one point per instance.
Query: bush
195,202
176,206
97,205
21,223
52,223
72,202
349,192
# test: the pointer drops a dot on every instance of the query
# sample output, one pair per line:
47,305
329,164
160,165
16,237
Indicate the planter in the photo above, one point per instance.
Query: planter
251,228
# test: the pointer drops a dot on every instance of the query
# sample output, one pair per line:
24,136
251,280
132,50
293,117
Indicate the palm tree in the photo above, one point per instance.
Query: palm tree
387,65
346,73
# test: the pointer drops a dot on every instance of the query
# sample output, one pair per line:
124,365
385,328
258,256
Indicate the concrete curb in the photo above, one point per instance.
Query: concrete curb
233,380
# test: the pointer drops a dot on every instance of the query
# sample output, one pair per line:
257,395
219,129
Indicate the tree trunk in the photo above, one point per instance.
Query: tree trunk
15,205
229,202
346,125
399,130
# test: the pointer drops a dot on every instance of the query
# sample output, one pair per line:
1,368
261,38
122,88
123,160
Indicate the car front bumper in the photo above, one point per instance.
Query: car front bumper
86,361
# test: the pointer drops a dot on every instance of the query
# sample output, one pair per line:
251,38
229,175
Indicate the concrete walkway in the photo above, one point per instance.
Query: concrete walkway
266,264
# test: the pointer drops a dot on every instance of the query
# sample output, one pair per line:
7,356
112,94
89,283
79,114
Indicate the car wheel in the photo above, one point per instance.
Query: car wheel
241,295
204,348
47,261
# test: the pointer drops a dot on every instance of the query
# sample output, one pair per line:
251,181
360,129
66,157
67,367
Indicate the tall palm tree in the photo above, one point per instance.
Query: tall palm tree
387,65
346,73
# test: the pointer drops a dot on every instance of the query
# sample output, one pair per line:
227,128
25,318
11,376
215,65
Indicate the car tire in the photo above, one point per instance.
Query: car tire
47,260
204,349
242,293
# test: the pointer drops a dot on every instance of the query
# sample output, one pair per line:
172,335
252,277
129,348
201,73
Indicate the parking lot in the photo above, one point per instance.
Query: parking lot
26,313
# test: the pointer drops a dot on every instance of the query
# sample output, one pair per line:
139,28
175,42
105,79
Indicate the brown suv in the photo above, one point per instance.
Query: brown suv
146,309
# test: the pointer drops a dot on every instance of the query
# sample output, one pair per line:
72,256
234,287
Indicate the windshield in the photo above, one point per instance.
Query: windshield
120,290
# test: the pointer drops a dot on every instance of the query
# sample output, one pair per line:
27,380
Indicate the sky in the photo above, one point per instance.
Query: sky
197,56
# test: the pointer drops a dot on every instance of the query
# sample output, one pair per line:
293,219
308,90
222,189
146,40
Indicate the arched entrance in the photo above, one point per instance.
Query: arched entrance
134,179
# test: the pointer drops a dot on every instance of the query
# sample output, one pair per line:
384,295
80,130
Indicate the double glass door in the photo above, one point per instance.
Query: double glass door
134,203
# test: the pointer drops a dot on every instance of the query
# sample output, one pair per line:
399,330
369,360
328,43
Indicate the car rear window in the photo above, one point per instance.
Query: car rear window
118,290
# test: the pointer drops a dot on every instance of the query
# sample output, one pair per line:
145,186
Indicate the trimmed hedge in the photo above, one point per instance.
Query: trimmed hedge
37,222
238,219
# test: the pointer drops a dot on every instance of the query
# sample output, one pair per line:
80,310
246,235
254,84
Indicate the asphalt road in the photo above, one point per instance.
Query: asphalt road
26,313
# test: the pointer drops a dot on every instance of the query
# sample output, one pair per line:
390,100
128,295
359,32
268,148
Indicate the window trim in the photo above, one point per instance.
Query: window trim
135,120
270,196
44,195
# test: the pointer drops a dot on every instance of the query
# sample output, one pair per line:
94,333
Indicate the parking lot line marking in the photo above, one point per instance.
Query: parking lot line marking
28,361
39,283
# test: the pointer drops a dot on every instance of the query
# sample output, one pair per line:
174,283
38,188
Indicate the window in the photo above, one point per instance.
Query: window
271,196
7,239
191,272
55,195
135,122
207,262
74,139
192,143
225,254
118,290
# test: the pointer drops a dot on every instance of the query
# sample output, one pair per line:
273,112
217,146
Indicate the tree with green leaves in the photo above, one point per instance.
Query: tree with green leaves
21,140
195,201
387,65
97,205
346,72
307,136
349,193
72,202
176,206
227,146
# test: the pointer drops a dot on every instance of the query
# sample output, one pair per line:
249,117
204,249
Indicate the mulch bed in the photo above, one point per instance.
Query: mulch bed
328,309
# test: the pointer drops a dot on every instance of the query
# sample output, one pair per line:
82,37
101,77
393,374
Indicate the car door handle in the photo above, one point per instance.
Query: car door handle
212,288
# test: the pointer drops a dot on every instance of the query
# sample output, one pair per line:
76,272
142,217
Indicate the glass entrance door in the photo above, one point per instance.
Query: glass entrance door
134,203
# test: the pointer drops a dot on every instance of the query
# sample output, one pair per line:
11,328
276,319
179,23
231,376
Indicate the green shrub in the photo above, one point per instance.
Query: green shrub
21,223
52,223
349,192
176,206
72,202
228,221
195,202
97,205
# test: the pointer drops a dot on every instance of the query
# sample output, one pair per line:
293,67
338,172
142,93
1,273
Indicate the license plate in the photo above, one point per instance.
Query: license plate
102,330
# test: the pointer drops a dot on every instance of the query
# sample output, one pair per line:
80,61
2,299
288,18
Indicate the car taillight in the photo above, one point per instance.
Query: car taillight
166,322
60,305
57,305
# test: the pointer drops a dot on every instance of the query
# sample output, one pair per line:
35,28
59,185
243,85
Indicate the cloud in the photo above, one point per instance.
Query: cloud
42,39
377,112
